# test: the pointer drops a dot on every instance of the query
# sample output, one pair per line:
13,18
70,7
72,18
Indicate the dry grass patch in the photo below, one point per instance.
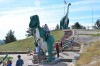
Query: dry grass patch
91,53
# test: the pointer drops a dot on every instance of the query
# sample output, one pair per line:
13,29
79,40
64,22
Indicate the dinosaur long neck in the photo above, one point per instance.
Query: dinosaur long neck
68,10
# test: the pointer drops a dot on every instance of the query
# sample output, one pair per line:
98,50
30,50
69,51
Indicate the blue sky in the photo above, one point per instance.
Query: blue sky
15,14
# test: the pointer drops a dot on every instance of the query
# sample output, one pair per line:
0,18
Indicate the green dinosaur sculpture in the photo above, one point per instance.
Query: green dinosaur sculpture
65,20
41,34
1,61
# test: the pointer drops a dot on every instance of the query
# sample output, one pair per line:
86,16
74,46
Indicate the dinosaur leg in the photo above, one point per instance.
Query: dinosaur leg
50,53
50,42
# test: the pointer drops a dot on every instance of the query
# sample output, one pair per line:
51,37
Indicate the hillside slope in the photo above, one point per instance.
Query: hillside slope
22,45
91,55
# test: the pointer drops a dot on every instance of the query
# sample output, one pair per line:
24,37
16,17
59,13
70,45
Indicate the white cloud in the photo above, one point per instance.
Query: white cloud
37,3
18,18
17,23
84,5
86,2
17,10
5,1
84,17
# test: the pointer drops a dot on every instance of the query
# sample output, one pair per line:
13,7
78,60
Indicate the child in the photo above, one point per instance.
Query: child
9,63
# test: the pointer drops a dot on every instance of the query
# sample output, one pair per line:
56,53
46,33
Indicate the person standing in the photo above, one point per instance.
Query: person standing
19,62
57,49
46,28
61,46
38,50
9,63
28,51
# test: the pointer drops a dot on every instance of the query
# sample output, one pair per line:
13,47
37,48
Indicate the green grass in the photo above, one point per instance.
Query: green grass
91,34
92,53
58,34
98,30
22,45
96,34
9,57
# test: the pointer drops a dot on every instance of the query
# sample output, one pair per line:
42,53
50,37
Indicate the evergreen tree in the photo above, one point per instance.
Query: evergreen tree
77,26
10,37
97,24
29,32
57,27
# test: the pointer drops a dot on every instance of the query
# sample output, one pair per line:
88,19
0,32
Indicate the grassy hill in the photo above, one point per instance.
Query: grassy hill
91,55
22,45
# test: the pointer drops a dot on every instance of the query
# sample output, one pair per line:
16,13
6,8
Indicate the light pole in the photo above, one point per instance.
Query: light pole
92,18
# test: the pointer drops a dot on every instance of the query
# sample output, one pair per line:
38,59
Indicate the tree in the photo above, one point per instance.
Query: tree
10,37
97,24
30,32
77,26
57,27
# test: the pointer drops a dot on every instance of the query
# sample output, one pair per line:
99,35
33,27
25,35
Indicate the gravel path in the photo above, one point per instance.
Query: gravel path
23,56
81,36
28,61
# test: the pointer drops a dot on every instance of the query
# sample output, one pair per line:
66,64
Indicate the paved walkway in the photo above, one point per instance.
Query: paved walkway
23,56
28,61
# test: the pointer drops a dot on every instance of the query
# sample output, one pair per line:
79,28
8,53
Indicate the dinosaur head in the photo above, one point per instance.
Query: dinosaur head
34,21
69,4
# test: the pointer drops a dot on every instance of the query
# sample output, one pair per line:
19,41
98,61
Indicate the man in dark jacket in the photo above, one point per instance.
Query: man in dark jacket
19,62
57,49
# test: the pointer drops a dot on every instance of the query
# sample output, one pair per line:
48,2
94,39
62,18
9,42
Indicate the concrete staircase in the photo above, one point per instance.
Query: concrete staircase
68,55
